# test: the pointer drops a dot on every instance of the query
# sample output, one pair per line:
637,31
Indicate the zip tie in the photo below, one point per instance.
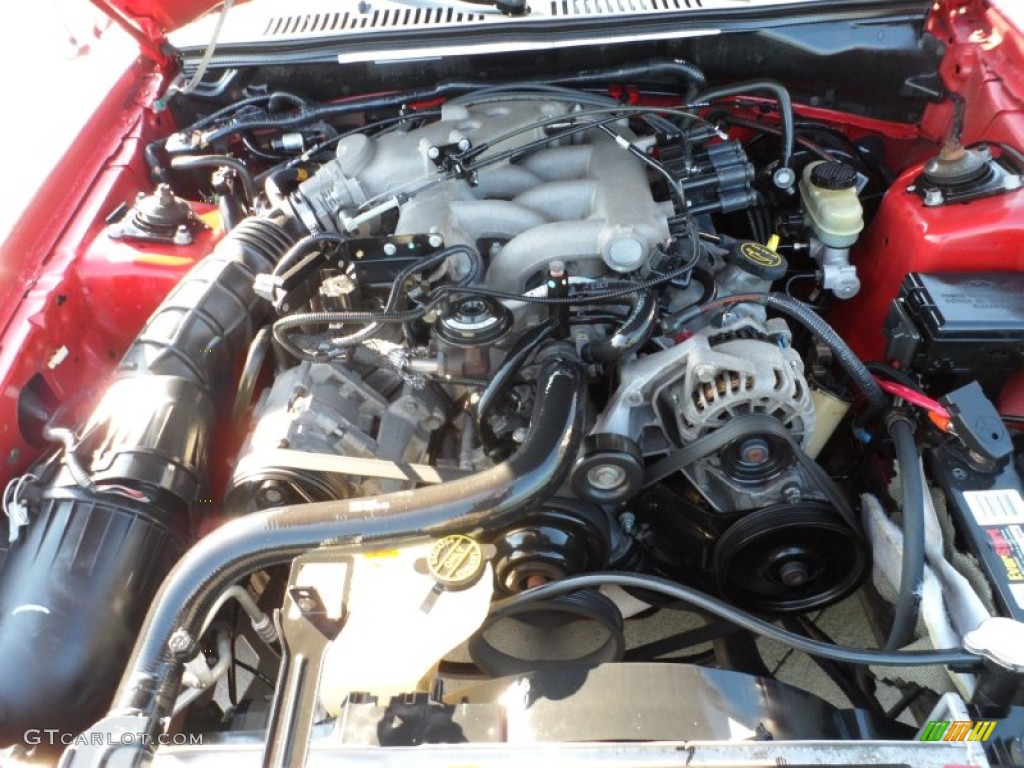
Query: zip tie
15,509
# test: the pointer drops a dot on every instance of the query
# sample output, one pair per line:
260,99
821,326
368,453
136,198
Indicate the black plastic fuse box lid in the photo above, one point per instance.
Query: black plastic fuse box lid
971,304
953,327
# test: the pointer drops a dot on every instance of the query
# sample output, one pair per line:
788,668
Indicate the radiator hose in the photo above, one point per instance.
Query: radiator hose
75,589
487,500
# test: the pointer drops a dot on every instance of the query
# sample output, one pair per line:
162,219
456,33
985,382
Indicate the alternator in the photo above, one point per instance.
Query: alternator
676,396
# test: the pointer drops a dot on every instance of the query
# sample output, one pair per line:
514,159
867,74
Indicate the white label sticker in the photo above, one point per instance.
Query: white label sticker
1017,590
1004,507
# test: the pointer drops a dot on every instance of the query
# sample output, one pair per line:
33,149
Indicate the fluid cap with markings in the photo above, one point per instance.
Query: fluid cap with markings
456,562
758,259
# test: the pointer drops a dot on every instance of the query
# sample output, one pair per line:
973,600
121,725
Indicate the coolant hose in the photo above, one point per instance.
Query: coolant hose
630,336
502,379
809,319
487,500
908,601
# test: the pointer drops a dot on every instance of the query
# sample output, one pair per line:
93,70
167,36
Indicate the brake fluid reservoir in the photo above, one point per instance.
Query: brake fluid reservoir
834,212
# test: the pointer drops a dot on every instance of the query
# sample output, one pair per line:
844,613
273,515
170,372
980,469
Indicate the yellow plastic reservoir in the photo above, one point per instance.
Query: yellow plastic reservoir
831,205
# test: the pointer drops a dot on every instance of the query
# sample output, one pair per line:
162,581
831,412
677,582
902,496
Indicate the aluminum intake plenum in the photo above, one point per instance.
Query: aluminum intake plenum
582,199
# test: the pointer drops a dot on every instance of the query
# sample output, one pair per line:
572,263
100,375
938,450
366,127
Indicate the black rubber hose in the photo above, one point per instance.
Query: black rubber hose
232,210
806,316
957,657
684,70
279,184
272,99
634,332
908,601
307,114
781,95
521,351
488,500
897,375
219,161
159,162
374,320
838,673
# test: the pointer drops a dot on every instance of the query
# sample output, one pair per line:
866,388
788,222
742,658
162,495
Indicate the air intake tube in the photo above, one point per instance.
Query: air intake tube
487,500
75,590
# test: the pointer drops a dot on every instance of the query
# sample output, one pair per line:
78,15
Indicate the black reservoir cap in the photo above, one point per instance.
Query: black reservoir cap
834,175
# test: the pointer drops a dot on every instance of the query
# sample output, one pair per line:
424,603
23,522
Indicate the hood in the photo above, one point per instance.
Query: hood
148,21
157,17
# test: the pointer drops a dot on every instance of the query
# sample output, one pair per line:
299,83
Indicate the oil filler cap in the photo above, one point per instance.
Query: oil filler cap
759,260
456,562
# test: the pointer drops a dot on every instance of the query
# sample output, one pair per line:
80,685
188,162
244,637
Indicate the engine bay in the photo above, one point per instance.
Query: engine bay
443,386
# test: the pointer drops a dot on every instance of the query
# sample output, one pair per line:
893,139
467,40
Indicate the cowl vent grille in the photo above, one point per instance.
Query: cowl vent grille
350,21
592,7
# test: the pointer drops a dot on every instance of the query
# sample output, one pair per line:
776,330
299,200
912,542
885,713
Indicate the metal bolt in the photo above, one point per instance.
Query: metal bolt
1011,183
634,398
791,494
606,477
435,241
433,153
794,574
463,145
556,269
933,197
306,604
390,249
783,178
959,473
704,372
519,434
180,641
182,236
272,494
628,522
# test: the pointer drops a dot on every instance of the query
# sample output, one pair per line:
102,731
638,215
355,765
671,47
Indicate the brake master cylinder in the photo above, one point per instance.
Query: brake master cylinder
834,213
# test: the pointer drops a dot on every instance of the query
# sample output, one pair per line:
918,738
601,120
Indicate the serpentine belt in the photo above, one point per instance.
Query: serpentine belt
740,426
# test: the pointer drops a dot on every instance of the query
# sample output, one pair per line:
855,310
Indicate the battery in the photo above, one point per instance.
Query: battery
954,327
988,508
